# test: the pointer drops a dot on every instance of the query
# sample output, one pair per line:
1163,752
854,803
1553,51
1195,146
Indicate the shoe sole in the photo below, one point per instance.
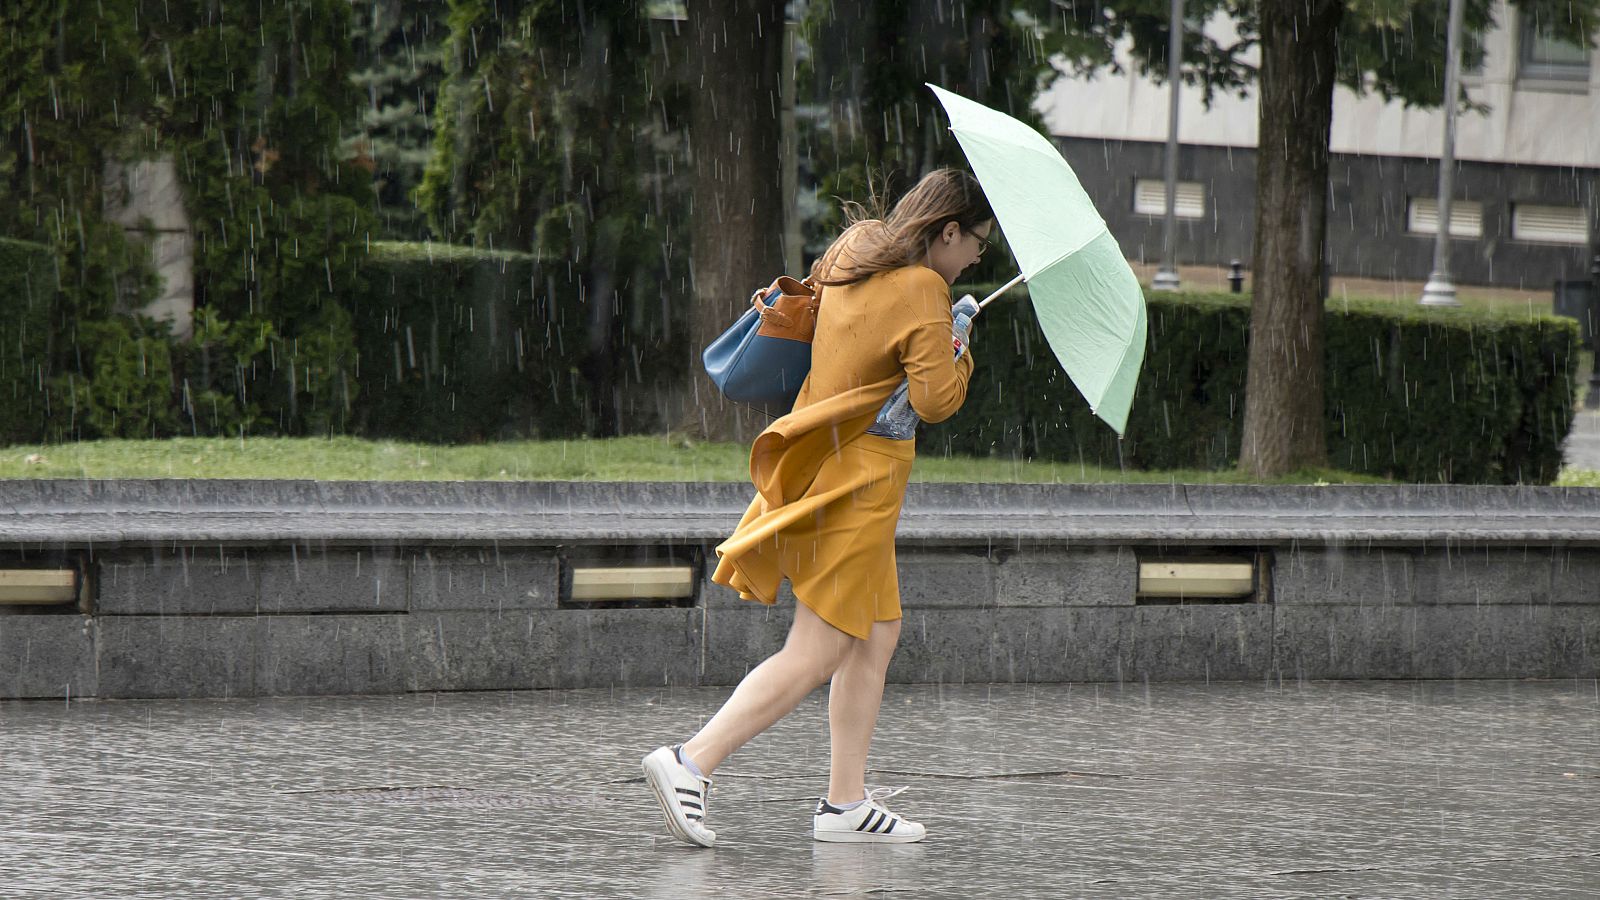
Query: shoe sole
661,786
863,837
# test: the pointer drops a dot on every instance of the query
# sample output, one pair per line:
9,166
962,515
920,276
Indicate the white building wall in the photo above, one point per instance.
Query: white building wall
1529,121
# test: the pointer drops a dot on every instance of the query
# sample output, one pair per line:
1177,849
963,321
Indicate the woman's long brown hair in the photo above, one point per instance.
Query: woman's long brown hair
869,245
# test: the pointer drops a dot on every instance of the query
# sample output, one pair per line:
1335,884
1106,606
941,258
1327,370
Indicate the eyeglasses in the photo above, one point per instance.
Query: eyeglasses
983,243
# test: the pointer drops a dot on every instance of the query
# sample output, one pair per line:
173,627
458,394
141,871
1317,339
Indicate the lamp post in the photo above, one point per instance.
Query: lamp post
1167,275
1440,290
1592,316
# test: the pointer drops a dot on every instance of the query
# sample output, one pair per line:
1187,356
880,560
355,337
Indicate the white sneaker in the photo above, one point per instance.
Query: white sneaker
684,796
869,823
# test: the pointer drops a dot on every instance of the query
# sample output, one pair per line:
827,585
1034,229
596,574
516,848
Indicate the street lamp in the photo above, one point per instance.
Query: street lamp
1591,315
1440,290
1167,275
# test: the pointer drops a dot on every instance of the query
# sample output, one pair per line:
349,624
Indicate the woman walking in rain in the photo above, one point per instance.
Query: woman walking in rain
828,500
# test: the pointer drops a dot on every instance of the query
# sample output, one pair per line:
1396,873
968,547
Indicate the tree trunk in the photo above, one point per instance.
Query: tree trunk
1283,408
736,218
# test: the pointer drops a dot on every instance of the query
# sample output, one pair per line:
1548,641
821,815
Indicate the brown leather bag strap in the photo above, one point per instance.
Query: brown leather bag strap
771,314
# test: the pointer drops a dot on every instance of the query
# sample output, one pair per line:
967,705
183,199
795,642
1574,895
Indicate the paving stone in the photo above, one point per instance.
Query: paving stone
737,640
1438,642
946,577
1343,575
626,647
189,580
331,654
1484,575
1011,645
177,656
1302,790
48,655
335,579
486,578
1202,642
479,651
1575,577
1088,576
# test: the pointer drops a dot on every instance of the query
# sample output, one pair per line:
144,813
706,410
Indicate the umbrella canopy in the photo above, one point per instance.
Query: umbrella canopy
1088,300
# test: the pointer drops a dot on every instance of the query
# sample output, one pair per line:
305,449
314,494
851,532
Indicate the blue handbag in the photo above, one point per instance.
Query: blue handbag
765,356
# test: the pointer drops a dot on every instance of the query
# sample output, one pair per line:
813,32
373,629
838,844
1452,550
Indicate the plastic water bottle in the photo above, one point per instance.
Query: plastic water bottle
897,420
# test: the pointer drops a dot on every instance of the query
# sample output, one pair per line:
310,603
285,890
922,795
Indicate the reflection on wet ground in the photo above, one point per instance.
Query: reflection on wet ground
1397,789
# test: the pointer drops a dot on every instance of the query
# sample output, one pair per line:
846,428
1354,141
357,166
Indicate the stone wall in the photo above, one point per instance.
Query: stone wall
236,621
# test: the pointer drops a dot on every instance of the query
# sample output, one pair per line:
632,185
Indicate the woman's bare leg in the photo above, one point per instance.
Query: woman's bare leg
812,652
853,702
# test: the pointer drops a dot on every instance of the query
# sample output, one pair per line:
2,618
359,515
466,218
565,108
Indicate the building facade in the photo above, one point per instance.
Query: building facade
1524,202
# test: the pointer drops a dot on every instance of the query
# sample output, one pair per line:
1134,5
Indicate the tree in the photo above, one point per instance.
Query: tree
1307,47
737,220
1396,48
400,48
1283,410
553,135
248,103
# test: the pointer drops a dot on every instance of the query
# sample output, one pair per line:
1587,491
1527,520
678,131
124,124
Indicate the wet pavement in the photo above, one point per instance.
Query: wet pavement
1392,789
1582,449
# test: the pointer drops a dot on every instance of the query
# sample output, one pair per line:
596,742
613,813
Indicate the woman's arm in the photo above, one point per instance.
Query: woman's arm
938,380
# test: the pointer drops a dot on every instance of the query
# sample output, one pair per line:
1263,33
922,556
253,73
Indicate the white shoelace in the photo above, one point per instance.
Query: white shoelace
876,795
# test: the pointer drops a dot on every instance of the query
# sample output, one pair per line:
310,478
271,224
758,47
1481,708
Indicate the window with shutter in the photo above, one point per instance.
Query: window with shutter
1466,217
1549,224
1150,198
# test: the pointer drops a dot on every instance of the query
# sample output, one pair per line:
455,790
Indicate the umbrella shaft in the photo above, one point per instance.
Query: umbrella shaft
1008,286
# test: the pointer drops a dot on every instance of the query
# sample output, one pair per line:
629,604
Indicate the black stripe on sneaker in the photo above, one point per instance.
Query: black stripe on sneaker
689,792
695,816
893,824
691,804
883,825
863,825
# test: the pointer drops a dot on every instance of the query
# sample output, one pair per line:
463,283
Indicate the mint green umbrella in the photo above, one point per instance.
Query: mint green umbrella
1089,303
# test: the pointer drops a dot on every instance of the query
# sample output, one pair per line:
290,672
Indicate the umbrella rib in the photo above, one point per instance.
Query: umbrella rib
1121,360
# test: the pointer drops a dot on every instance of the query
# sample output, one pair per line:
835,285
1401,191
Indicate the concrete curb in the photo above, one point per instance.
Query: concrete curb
71,514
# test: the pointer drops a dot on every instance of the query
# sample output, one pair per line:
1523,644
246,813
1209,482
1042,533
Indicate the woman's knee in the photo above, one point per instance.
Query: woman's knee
817,645
880,645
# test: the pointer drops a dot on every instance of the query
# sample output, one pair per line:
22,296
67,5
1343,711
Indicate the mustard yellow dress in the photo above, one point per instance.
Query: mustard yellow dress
828,495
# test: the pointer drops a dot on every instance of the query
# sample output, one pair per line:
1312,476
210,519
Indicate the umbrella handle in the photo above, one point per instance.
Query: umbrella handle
1008,286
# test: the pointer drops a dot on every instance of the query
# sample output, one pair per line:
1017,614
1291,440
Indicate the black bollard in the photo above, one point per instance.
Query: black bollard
1236,276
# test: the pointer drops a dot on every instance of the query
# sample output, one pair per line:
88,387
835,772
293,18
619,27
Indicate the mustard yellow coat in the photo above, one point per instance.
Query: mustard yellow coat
828,495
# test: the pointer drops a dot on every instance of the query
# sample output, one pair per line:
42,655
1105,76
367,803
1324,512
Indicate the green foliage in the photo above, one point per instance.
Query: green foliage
250,103
457,346
27,301
552,136
255,103
219,367
125,389
1450,396
400,53
1414,395
69,79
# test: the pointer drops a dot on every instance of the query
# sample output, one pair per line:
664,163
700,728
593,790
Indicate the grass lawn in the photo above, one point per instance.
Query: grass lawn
658,458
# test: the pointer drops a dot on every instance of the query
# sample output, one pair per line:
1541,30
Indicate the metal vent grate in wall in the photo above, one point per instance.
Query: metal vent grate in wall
1549,224
630,577
1466,217
1150,198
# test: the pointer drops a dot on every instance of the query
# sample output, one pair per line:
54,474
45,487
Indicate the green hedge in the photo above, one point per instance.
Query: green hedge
1419,395
27,294
462,345
450,344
